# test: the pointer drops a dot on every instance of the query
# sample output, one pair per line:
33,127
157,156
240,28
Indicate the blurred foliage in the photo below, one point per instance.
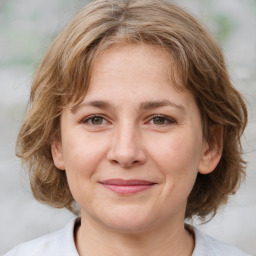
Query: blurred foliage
221,24
225,26
24,36
25,33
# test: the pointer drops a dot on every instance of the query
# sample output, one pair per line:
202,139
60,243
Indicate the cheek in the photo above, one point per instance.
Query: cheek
177,158
82,153
82,158
81,163
179,152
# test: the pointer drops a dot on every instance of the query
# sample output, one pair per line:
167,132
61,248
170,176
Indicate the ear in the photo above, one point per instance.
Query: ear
57,154
212,151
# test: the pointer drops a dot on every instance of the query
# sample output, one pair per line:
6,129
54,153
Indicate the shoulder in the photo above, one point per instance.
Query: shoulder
208,246
59,243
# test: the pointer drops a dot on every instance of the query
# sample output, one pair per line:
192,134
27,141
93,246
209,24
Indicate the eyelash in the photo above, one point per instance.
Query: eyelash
165,119
89,119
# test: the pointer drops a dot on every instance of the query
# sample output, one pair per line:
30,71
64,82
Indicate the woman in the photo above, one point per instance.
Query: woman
134,125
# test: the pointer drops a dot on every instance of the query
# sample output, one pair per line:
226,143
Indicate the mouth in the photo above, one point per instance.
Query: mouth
127,187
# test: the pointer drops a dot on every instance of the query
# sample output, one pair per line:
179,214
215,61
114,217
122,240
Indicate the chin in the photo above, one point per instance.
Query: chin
130,227
128,222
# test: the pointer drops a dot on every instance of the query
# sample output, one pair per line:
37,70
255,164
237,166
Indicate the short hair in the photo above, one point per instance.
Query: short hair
64,75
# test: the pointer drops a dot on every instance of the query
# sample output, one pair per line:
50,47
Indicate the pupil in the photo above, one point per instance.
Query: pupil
159,120
97,120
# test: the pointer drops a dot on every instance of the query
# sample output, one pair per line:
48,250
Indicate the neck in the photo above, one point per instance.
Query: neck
95,239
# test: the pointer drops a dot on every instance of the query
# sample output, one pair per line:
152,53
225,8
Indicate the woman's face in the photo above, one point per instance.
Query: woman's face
132,149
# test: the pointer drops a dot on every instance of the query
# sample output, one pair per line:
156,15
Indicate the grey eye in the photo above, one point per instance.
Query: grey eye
159,120
97,120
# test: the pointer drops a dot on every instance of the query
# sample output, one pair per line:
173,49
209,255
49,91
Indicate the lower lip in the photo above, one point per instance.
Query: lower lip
127,189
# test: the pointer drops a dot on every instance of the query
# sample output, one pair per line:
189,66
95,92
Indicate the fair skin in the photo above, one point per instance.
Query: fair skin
132,150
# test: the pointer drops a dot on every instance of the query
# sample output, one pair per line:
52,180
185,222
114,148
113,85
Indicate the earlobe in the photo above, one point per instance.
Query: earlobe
57,155
212,151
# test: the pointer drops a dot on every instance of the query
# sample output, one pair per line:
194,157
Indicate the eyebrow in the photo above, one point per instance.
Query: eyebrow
157,104
147,105
96,103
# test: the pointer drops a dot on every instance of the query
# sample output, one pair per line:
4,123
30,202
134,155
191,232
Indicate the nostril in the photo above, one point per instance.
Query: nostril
126,153
115,161
125,164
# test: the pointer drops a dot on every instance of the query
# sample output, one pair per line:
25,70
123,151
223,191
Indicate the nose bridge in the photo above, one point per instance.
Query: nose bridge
126,137
126,147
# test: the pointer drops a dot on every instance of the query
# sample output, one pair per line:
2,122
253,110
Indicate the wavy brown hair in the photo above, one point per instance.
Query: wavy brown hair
64,75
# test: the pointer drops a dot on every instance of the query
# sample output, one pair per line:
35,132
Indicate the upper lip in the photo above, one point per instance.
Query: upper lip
122,182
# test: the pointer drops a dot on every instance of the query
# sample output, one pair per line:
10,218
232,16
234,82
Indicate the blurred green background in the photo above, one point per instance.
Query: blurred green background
28,27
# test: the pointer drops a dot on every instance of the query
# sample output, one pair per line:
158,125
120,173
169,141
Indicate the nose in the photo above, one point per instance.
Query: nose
127,149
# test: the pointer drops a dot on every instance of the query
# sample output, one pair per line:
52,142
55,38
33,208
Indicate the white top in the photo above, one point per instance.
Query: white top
61,243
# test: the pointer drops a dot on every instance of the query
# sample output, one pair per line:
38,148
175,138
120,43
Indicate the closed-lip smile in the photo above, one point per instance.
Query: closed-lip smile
127,187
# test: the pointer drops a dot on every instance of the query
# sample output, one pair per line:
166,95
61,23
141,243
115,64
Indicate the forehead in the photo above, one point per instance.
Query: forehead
108,58
135,62
135,74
